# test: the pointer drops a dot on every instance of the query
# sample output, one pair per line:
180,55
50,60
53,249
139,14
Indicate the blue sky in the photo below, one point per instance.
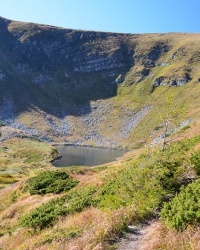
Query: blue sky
127,16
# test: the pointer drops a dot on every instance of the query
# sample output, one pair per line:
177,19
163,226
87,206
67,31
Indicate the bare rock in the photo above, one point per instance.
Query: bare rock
158,81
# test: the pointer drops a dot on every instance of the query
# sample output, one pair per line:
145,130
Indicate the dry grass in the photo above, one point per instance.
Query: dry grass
95,227
162,237
15,203
87,177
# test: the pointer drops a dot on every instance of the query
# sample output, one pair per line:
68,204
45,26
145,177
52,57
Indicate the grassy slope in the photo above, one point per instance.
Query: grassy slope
19,158
107,198
138,95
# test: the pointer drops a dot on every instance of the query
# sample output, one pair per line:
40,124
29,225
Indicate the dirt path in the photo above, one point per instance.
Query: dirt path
137,237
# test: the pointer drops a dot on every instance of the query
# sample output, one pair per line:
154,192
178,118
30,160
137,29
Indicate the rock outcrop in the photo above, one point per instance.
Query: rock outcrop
179,81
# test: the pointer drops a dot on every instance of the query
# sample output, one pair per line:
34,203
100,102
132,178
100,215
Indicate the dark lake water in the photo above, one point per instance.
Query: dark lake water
85,156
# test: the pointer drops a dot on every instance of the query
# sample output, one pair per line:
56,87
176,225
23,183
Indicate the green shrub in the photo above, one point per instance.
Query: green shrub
51,182
79,199
195,160
174,161
135,186
184,208
48,213
45,215
171,181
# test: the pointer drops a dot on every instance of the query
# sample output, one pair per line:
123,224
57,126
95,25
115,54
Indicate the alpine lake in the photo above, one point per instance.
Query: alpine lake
86,156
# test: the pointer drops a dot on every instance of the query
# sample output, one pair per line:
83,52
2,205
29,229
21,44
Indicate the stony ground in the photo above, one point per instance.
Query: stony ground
85,129
137,237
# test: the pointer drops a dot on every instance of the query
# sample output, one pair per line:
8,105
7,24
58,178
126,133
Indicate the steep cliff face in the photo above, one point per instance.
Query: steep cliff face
89,87
65,66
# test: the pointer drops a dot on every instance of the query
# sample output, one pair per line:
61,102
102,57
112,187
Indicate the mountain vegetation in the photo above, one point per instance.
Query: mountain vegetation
139,92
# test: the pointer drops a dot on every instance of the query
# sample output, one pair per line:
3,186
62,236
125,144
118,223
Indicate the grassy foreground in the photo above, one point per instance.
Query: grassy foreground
89,208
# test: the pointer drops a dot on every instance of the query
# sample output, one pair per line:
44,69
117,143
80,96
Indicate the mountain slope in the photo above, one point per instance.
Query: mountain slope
93,87
60,61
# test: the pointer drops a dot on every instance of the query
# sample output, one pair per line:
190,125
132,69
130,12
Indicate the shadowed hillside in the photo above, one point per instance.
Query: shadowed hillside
43,65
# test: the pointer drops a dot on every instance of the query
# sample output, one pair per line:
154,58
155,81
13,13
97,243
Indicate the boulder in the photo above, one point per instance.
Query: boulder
164,64
182,81
158,81
173,55
145,71
148,63
179,81
173,83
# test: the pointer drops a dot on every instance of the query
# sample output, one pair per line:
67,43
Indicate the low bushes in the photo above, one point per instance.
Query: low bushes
48,213
45,215
184,208
195,160
51,182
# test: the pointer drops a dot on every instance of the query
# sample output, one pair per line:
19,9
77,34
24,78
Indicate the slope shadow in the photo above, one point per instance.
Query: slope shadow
59,71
